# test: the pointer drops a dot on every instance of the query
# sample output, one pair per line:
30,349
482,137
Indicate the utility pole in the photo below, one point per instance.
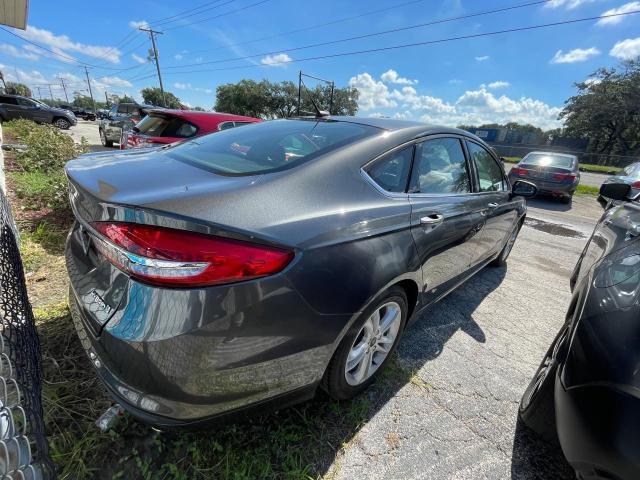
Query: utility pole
152,34
299,90
3,82
106,97
39,93
64,87
86,72
50,92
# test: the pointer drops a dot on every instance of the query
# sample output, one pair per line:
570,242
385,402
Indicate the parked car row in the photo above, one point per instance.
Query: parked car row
248,268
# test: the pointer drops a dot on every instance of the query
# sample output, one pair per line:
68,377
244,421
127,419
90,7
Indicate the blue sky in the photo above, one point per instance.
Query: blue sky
520,76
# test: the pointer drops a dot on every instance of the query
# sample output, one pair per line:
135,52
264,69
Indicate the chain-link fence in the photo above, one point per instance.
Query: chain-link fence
23,444
605,160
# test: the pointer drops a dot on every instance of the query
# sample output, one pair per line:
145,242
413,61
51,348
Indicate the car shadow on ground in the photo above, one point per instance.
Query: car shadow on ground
549,203
533,458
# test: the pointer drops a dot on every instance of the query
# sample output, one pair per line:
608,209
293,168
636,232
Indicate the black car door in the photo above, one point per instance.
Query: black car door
10,107
492,188
446,217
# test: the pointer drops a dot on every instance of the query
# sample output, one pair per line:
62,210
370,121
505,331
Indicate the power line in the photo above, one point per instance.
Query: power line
182,16
415,44
312,27
368,35
219,15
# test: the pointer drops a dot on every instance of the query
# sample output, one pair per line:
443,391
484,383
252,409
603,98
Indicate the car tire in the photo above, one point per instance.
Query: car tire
62,123
537,409
103,139
343,384
501,260
567,200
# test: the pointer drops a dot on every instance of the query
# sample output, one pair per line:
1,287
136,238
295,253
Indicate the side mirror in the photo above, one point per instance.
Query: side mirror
615,191
521,188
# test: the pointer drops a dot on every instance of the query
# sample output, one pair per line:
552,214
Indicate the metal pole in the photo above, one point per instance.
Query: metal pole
50,92
299,90
331,98
152,34
106,98
64,87
86,72
39,93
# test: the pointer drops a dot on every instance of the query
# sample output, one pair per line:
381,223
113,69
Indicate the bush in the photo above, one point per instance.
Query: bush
40,190
48,149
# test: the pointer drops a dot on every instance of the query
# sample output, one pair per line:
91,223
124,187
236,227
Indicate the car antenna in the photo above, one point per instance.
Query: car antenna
319,113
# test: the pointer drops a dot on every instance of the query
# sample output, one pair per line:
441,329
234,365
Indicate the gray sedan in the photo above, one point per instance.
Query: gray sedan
555,174
256,264
629,175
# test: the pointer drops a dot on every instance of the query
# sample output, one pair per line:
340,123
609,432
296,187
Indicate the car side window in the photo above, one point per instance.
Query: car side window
391,173
8,100
26,103
440,167
186,130
490,176
225,125
113,111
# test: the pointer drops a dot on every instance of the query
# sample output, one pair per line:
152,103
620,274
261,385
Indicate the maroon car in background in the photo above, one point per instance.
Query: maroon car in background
162,126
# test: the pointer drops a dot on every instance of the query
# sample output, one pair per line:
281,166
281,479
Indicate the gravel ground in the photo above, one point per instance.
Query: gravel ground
474,354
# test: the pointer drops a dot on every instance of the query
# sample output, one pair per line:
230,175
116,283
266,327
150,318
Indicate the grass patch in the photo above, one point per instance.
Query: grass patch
588,190
589,167
39,190
511,159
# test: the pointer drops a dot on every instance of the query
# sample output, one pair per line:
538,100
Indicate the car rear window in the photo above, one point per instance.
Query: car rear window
268,146
156,125
547,160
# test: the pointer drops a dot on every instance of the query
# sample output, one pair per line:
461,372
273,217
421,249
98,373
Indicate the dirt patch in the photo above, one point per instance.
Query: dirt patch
553,228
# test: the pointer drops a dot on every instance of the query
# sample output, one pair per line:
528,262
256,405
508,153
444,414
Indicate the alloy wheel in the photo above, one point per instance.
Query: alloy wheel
373,343
62,123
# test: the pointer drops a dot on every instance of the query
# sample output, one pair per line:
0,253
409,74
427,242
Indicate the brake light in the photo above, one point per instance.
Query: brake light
636,184
168,257
563,177
519,171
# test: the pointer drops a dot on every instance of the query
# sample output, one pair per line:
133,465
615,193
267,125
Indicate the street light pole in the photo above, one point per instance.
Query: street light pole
86,72
152,34
64,87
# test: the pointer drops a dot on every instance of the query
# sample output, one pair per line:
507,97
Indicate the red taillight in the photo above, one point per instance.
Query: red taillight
519,171
168,257
563,177
635,184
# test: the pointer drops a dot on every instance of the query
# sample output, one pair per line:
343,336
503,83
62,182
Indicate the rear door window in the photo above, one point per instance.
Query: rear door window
440,167
8,100
490,176
391,173
268,147
166,126
225,125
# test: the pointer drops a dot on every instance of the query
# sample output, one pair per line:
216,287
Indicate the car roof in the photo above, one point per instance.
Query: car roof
195,114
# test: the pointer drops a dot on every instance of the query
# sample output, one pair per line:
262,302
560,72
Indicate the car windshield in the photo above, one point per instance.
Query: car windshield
269,146
548,160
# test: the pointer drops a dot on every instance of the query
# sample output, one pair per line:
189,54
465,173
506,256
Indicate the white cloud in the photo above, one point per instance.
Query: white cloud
592,81
178,56
138,58
62,44
188,86
626,49
568,4
114,82
410,98
279,60
391,76
23,76
455,81
499,84
16,52
373,93
575,55
627,7
138,24
182,86
483,58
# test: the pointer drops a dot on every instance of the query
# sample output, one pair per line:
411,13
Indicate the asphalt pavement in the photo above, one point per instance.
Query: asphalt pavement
473,355
88,130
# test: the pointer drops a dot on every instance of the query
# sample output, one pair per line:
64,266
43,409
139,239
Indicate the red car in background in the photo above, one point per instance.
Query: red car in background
162,126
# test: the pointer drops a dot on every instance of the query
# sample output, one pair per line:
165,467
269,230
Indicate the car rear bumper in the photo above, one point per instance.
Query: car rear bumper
548,188
598,429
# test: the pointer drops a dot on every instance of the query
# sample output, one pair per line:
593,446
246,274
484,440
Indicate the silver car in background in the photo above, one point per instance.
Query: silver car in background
629,175
555,174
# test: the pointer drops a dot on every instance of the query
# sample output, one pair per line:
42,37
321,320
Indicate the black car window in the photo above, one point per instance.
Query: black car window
123,109
25,102
392,172
440,167
266,147
490,175
239,124
225,125
549,160
8,100
156,125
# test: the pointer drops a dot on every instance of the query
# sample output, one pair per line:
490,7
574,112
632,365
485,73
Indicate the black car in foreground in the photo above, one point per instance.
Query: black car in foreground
259,263
587,388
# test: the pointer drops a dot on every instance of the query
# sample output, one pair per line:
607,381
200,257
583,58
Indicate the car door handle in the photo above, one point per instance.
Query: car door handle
433,219
493,205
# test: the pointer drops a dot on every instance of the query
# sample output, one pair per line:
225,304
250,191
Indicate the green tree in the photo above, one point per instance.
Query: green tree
153,96
277,100
606,110
15,88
